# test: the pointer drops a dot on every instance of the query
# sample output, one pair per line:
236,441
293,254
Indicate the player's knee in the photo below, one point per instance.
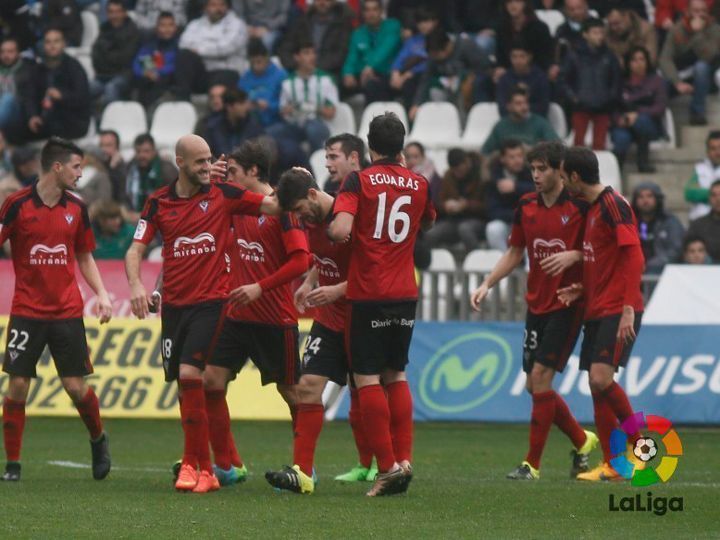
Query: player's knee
310,389
541,378
18,388
288,392
75,388
598,382
214,379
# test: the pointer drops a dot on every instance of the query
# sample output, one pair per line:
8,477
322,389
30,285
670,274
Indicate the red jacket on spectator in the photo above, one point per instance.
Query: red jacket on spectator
670,9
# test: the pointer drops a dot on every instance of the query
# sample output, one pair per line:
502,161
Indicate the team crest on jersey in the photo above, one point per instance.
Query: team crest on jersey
261,220
13,355
69,218
204,205
564,219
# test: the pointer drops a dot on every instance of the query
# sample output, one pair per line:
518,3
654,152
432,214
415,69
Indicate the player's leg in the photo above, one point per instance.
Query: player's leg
365,470
14,424
401,415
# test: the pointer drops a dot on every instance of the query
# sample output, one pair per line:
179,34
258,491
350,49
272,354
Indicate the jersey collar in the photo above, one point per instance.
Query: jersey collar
39,202
564,196
205,188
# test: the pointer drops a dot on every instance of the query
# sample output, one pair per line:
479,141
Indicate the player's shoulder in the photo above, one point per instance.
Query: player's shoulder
227,190
14,202
614,206
161,193
581,205
528,199
289,221
76,200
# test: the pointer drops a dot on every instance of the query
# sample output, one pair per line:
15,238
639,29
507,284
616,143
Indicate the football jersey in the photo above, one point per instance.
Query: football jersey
196,239
332,261
610,226
44,242
263,245
389,203
544,231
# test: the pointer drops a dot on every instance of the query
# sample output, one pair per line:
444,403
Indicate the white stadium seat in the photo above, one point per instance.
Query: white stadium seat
91,31
552,17
172,120
344,120
317,164
127,118
609,169
439,159
437,125
481,260
670,141
376,109
556,117
480,122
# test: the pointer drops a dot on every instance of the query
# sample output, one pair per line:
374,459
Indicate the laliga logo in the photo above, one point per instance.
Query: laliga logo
544,248
201,244
42,254
645,449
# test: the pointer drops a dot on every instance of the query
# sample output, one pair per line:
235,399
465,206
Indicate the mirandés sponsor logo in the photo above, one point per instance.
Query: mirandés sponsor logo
202,244
251,251
542,249
40,254
327,267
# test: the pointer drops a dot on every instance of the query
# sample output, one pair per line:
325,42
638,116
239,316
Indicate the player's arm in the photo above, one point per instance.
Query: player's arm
89,270
327,294
156,296
557,263
630,267
139,301
300,296
270,205
507,263
341,227
345,209
571,293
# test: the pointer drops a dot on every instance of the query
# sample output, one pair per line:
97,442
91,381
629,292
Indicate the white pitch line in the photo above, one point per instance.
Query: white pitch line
76,465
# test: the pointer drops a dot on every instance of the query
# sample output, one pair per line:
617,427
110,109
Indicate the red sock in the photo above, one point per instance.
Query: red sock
13,426
605,421
308,424
293,416
401,419
365,455
235,458
565,420
543,412
376,421
89,409
195,424
218,426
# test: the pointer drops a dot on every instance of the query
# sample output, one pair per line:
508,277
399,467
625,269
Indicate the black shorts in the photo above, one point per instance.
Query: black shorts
600,342
325,354
273,349
550,338
26,341
187,335
378,336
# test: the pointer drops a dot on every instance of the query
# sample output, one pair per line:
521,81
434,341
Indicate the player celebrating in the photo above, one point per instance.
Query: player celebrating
49,231
193,217
549,223
612,271
384,207
261,321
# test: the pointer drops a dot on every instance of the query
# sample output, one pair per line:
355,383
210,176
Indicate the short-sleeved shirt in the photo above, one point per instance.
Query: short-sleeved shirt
332,261
544,231
610,226
44,243
389,203
197,239
264,244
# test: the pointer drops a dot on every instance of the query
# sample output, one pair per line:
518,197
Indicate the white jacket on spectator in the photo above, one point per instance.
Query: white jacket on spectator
307,96
147,11
221,45
706,174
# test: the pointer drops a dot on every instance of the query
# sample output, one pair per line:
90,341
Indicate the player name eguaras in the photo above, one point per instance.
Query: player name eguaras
657,505
383,178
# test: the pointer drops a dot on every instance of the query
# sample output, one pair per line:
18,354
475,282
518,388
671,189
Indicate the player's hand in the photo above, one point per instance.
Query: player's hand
478,295
570,294
557,263
139,301
300,297
218,170
324,295
626,328
246,294
104,307
155,301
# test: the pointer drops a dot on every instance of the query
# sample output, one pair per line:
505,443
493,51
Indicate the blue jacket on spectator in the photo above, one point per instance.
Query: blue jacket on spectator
265,86
156,55
502,206
537,84
412,50
223,137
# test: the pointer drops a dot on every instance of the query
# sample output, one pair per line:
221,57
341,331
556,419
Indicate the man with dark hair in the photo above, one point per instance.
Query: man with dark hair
569,34
260,322
109,142
49,232
697,188
25,165
383,206
344,153
627,29
235,125
612,270
549,224
523,73
146,172
708,226
694,251
263,83
215,110
15,71
63,15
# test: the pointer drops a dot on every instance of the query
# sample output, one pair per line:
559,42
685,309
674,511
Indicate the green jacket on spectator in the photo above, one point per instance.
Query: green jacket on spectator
113,247
376,49
530,131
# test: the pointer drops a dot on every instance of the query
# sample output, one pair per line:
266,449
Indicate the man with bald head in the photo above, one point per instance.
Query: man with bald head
193,218
569,34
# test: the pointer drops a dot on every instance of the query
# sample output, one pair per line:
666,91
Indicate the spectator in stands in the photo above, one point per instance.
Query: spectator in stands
5,157
15,72
626,29
26,165
17,23
456,71
518,22
373,47
114,162
569,34
661,233
510,179
669,11
643,101
113,52
604,7
57,97
694,251
263,83
219,37
591,80
113,235
155,64
216,109
520,124
419,163
235,125
707,171
63,15
479,18
406,12
461,203
524,74
148,12
95,183
411,62
708,226
328,24
8,186
265,18
146,172
692,48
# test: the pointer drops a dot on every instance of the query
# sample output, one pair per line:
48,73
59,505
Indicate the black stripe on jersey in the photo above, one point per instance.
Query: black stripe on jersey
83,209
351,184
152,209
230,191
14,209
614,210
581,205
524,201
289,221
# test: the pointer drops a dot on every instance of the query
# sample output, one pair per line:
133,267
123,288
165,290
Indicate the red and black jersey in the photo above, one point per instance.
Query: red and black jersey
610,226
332,261
44,242
545,231
197,239
389,203
264,244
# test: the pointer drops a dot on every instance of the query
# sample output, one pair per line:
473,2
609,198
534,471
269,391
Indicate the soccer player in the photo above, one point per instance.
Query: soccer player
49,231
260,322
383,208
344,153
550,224
193,218
612,270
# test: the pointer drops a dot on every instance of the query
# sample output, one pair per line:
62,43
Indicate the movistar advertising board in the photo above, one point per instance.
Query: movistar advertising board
473,371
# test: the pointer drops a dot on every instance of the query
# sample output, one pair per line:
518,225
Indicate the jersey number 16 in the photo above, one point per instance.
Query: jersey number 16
396,214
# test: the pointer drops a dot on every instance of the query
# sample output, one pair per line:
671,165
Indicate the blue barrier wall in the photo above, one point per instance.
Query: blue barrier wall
473,371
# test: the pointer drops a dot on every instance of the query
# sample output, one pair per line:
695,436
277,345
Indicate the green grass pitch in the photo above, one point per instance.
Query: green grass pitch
459,490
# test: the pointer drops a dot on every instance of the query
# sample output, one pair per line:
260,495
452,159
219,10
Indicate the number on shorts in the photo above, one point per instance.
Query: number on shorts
533,344
167,348
313,344
24,337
